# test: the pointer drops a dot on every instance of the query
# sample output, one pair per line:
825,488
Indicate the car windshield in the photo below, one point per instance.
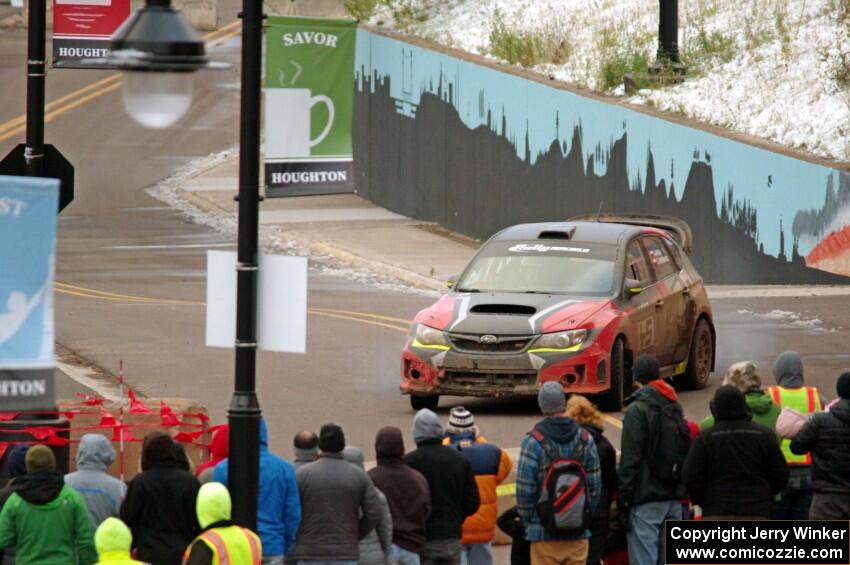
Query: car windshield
541,266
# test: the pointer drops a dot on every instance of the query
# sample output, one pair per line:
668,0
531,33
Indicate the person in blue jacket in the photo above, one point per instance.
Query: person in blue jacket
278,504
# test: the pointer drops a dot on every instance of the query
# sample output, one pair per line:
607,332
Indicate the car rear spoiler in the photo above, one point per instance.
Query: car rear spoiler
679,229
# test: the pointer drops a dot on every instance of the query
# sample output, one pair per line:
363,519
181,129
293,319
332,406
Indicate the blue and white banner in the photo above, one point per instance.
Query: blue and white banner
27,255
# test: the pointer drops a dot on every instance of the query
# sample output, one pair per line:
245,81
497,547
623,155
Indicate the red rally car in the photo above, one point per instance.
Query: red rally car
572,302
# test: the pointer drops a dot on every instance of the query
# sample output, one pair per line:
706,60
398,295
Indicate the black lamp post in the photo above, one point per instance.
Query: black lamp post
159,49
667,57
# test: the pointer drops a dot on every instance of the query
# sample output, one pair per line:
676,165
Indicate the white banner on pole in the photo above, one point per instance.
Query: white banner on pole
281,302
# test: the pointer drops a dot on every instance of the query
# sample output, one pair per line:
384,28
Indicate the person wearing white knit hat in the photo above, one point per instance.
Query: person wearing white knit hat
491,466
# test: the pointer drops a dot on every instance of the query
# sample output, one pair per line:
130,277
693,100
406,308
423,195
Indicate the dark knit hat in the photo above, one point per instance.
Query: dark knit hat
40,459
729,403
842,387
646,369
389,443
331,438
461,421
17,461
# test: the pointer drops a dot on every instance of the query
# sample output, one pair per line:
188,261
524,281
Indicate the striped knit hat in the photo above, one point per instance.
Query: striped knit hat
461,421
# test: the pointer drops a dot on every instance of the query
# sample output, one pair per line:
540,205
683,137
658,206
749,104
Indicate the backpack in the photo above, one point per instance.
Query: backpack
564,502
671,443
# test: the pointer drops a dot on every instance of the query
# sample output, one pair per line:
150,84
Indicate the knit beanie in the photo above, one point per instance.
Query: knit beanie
551,398
331,438
427,426
646,369
842,387
744,376
17,461
389,443
461,421
40,459
729,404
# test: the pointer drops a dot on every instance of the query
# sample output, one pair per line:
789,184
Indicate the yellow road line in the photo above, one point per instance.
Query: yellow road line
23,118
365,314
361,320
83,292
103,86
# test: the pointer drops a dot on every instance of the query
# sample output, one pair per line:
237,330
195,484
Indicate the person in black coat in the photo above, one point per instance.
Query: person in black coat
735,468
454,492
588,417
827,436
159,507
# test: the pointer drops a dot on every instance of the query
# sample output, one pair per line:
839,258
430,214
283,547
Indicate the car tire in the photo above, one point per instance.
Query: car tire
420,402
612,401
700,356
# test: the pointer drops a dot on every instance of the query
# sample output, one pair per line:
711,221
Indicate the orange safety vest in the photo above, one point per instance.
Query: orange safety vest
231,545
804,400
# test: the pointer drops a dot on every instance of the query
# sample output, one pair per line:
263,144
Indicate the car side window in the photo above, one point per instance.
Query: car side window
636,267
660,258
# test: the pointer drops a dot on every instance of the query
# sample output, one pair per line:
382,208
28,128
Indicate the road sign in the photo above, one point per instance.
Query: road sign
82,28
56,166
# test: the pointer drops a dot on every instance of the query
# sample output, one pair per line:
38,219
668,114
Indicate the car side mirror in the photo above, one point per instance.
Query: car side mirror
451,281
632,287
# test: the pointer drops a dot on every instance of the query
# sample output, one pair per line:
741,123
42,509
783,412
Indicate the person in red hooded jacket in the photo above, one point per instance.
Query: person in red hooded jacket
218,452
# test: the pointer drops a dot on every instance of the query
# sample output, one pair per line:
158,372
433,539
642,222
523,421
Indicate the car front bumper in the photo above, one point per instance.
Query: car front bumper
429,371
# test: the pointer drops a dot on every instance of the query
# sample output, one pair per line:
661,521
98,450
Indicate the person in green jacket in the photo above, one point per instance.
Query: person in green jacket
745,377
44,519
113,540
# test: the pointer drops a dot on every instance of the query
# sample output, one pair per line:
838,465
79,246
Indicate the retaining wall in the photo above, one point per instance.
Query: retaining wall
452,138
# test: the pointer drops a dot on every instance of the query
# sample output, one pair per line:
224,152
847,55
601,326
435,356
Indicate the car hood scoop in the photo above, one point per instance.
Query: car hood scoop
506,309
512,313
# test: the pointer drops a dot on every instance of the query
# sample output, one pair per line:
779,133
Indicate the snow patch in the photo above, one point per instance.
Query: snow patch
270,237
793,319
768,68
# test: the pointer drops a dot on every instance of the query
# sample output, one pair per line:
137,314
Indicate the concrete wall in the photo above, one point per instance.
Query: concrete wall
451,138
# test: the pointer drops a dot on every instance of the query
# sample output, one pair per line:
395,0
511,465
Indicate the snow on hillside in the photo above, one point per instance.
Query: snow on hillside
776,69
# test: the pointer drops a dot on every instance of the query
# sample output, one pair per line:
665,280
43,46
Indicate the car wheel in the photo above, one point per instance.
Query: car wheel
420,402
699,359
612,401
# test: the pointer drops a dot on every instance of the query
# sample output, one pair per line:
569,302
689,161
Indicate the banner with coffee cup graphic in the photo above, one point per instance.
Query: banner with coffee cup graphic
309,101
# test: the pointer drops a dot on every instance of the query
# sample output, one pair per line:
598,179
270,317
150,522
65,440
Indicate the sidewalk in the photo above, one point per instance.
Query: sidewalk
355,233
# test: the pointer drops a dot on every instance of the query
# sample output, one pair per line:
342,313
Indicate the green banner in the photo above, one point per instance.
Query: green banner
309,99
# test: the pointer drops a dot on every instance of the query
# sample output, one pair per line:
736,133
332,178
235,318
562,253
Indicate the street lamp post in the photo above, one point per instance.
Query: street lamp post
36,68
157,40
244,411
667,57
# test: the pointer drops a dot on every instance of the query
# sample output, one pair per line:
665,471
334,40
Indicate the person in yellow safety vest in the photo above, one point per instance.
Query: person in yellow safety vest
221,542
796,498
113,540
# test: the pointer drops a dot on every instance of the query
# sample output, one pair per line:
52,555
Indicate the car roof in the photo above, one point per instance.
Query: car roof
589,232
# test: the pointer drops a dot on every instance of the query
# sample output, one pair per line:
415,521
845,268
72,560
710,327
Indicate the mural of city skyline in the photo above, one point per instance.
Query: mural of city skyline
475,149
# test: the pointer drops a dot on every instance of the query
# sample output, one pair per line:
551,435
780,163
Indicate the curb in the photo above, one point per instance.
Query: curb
322,248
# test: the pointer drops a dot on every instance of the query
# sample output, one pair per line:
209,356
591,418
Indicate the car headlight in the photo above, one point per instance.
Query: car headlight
561,340
428,337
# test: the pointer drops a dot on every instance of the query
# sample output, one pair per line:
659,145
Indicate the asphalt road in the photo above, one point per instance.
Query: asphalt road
131,281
